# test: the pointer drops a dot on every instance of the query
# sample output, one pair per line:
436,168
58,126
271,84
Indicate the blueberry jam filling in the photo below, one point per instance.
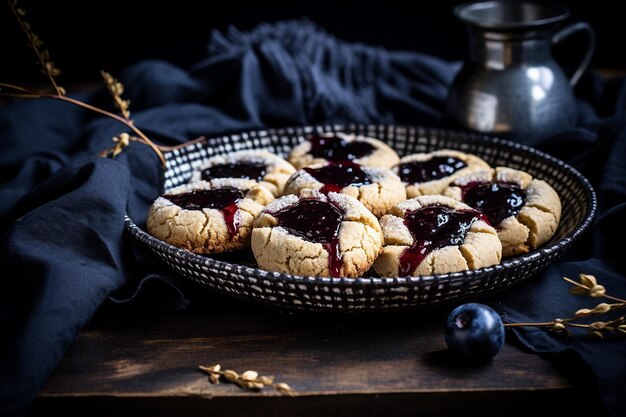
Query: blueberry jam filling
338,175
433,169
497,200
434,227
222,199
245,170
334,148
318,222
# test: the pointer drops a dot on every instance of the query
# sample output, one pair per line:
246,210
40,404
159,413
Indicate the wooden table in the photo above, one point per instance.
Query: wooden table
136,362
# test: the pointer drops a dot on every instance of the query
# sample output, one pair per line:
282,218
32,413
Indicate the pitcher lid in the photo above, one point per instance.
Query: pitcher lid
507,15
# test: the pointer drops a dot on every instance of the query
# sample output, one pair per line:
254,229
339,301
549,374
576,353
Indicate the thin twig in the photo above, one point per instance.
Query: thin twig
20,95
610,297
588,285
248,380
45,64
31,94
14,87
565,322
539,324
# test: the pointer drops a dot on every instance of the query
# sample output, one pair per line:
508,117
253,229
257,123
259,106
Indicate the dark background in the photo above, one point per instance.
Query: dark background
84,37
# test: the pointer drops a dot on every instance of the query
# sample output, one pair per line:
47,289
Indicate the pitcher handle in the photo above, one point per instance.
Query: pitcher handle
568,31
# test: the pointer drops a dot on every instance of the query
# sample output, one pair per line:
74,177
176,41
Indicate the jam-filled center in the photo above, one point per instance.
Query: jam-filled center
222,199
334,148
245,170
318,222
434,227
432,169
338,175
498,200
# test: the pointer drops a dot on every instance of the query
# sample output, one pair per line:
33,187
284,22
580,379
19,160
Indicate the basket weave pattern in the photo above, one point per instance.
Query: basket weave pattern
240,278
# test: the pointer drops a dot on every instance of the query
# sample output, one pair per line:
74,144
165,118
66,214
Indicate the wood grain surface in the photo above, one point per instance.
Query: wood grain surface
137,361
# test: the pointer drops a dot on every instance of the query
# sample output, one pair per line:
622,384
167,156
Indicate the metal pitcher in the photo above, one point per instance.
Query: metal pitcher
511,85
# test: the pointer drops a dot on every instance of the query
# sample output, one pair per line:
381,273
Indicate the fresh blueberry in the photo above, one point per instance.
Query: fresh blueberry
475,331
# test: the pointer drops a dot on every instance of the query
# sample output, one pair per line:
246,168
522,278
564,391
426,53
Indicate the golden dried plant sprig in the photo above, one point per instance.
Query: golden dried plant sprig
587,285
121,142
248,380
116,89
20,92
48,67
599,309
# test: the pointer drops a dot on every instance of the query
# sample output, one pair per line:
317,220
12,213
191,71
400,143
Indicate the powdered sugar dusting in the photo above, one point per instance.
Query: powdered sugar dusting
429,200
395,231
316,194
238,183
485,175
272,162
301,179
379,175
409,205
257,156
185,188
280,203
350,206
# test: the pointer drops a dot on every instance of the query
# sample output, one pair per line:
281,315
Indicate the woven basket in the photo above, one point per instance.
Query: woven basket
237,275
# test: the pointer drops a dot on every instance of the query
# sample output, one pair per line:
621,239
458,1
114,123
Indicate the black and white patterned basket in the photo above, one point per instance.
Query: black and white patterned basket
237,275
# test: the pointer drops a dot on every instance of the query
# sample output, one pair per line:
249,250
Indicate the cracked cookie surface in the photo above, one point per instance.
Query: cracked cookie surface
208,216
431,235
431,173
331,235
269,170
377,188
524,210
341,147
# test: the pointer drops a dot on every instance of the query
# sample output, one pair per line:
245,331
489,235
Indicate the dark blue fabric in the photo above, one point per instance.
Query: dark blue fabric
64,250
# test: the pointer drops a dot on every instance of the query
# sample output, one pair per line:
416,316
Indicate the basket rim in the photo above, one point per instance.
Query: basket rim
425,280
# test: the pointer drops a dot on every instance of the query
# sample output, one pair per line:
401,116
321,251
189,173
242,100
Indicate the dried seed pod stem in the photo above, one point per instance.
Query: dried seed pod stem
248,380
48,67
116,89
21,92
588,285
